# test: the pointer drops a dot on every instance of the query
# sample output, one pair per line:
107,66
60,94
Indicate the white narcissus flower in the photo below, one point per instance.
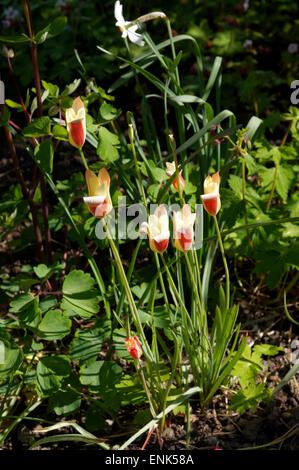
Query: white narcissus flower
248,44
157,229
122,24
293,48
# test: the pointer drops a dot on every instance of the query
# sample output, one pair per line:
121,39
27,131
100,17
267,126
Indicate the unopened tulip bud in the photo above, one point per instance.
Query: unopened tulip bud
99,202
183,222
211,198
75,119
170,170
133,347
157,229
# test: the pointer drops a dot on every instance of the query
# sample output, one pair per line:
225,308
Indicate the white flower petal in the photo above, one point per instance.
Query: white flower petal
118,12
136,38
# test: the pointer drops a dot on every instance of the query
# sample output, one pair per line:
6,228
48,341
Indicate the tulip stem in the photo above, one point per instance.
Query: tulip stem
130,298
83,158
131,136
245,203
141,375
224,260
173,286
173,148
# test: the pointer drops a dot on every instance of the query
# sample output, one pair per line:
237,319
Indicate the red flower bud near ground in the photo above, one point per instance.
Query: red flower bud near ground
133,347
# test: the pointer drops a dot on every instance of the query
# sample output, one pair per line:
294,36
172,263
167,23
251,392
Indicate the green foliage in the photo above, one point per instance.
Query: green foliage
248,370
63,323
108,145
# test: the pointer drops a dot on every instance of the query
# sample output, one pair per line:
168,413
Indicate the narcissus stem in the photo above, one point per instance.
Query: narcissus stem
224,260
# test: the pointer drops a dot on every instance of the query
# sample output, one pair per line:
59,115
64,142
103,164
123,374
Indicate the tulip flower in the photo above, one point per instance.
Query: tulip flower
122,24
133,347
99,201
211,198
169,172
183,222
157,229
76,123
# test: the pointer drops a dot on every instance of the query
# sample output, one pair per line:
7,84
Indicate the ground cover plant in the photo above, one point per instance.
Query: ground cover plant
149,226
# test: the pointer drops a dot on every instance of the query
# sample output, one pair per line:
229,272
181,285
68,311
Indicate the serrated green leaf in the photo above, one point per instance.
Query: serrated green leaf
285,176
235,183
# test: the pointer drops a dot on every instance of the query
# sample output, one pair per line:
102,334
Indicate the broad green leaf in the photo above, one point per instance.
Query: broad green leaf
50,372
53,89
86,344
39,127
31,315
59,132
267,349
77,281
100,376
65,402
79,295
108,112
15,39
69,89
13,104
41,271
284,180
11,360
235,183
108,145
54,326
250,397
43,154
54,28
20,302
95,420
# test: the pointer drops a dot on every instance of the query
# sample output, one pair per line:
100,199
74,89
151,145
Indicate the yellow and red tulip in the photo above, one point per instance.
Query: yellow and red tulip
133,347
183,222
75,119
157,229
170,171
99,201
211,198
